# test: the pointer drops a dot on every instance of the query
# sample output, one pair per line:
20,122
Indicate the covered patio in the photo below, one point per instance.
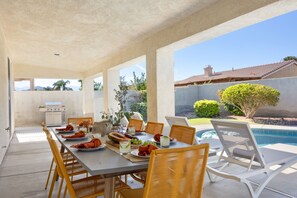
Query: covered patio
84,40
26,165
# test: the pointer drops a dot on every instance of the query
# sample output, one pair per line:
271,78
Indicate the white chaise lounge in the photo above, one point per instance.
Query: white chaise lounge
240,148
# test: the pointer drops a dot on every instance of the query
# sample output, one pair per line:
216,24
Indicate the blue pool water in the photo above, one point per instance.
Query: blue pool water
263,136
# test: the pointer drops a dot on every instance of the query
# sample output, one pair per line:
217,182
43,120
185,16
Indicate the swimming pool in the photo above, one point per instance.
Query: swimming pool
263,136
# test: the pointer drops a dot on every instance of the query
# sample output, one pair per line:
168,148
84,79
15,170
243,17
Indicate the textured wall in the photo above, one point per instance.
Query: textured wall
285,108
98,105
27,103
4,136
185,97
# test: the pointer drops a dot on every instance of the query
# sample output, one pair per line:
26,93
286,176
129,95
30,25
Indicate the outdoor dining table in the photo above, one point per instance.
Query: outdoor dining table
107,161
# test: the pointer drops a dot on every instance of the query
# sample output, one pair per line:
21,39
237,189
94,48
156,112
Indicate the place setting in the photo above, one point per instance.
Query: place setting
133,132
93,145
68,129
144,150
163,140
80,135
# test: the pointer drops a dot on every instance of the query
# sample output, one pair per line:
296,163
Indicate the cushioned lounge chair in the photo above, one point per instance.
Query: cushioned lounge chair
177,120
240,148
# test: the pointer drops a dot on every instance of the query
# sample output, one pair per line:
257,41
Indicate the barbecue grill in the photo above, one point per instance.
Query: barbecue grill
54,112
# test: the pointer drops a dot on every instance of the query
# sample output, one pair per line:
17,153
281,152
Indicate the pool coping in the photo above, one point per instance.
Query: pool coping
258,126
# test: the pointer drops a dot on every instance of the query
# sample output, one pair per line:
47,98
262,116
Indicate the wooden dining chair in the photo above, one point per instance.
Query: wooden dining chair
79,120
184,134
176,172
73,168
91,186
137,124
154,128
67,158
151,128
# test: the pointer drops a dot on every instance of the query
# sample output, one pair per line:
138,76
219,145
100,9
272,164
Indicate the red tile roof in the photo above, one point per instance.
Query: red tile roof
255,72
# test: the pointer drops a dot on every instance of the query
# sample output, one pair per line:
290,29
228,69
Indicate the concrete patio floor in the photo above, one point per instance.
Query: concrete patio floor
24,170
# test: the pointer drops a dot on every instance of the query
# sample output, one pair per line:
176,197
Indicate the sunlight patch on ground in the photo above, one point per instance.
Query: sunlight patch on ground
289,171
31,137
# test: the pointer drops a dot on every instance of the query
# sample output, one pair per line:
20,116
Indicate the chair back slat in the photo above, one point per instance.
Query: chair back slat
137,124
154,128
177,172
184,134
238,140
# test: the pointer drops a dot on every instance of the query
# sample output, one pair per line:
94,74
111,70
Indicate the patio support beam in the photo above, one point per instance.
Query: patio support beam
32,84
88,96
160,84
111,81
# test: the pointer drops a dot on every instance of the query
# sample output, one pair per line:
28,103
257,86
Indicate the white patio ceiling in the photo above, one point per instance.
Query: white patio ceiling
83,32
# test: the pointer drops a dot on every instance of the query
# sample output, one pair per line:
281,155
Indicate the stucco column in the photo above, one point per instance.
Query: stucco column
88,96
160,84
111,81
32,84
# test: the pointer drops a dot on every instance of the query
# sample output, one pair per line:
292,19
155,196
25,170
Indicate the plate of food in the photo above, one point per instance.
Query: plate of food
68,129
80,135
76,138
93,145
102,146
144,150
135,153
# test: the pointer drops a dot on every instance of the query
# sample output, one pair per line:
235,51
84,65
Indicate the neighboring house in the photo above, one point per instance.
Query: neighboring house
274,70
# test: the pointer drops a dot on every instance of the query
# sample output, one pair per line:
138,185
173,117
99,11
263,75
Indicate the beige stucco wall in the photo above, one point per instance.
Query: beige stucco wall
289,71
4,123
98,105
29,71
27,103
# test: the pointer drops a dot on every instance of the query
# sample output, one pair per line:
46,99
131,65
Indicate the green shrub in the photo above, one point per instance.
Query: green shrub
206,108
140,107
248,98
233,109
128,114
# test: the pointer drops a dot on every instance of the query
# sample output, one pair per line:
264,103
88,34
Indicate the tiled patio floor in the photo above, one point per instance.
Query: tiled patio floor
24,170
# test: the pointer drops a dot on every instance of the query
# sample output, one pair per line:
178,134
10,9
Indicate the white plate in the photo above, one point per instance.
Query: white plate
140,133
76,139
102,146
135,153
153,140
65,131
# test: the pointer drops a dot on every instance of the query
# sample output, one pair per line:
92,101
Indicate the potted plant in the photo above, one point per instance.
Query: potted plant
113,118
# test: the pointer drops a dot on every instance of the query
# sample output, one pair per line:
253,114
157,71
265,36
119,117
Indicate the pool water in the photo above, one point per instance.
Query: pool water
263,136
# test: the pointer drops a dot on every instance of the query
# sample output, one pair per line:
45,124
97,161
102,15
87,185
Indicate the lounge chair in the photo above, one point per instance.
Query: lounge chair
177,120
181,121
240,148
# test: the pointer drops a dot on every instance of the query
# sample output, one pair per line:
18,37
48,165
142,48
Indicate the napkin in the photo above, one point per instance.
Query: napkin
67,128
76,135
94,143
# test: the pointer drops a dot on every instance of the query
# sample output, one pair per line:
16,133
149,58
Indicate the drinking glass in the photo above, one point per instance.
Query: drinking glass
164,141
125,147
96,135
131,130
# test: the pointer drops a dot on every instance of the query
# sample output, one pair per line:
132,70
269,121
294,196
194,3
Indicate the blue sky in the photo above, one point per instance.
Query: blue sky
266,42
